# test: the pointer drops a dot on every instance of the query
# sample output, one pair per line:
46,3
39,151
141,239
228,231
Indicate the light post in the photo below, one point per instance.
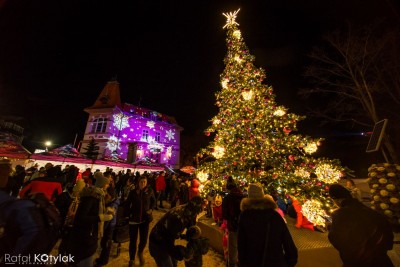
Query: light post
47,144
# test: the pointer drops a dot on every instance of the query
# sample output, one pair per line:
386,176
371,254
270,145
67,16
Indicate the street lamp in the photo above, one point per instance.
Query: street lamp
47,144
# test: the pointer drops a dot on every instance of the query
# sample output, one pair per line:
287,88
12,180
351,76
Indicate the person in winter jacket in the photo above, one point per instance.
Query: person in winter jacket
160,188
24,230
89,222
174,190
230,213
360,234
169,228
139,207
263,237
194,188
49,185
112,203
64,200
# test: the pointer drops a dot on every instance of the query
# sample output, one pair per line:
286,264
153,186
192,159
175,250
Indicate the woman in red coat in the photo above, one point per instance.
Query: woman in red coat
194,188
160,188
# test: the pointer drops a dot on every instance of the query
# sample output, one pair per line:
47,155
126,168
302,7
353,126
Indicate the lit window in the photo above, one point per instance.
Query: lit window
145,135
99,125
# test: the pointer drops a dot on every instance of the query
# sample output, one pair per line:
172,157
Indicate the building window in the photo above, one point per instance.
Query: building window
158,137
153,116
145,135
99,125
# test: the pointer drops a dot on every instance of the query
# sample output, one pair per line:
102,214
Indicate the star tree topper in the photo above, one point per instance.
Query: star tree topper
231,18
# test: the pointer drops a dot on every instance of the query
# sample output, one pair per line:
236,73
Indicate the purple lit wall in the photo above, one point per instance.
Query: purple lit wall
156,139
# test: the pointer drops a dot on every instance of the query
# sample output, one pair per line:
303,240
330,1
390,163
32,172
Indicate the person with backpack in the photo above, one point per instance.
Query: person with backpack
25,225
230,213
89,222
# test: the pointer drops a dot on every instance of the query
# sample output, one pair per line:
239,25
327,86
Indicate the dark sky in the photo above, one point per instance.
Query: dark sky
56,56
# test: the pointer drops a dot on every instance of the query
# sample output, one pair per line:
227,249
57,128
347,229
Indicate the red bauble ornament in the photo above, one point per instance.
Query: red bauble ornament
287,130
207,133
291,157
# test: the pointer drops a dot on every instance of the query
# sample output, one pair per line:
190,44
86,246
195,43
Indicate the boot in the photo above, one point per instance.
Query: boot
131,263
141,258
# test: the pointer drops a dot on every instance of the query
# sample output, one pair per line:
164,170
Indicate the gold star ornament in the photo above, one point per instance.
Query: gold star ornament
231,18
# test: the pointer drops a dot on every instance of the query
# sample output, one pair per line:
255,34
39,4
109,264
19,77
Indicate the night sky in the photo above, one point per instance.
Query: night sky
56,56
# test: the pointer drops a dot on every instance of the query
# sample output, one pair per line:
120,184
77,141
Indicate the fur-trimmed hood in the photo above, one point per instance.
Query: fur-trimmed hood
257,204
93,191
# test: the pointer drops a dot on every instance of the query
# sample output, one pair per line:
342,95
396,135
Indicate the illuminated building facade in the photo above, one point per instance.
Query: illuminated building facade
129,133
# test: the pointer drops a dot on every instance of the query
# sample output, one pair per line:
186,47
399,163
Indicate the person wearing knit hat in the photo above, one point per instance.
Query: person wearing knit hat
360,234
255,191
101,180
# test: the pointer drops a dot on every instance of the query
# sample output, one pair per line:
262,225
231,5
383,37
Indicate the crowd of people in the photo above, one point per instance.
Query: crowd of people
92,204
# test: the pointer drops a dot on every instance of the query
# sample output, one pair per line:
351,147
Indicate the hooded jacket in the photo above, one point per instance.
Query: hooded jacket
254,219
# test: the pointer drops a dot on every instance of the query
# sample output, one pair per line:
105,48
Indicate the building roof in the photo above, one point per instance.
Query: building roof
109,97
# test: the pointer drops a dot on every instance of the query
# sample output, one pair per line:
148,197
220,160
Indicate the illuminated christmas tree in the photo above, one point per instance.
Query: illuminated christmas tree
255,141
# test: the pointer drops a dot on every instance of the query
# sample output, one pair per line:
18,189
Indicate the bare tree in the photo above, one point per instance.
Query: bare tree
358,73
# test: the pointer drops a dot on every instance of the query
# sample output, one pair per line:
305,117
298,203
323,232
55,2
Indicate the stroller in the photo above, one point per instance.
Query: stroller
121,230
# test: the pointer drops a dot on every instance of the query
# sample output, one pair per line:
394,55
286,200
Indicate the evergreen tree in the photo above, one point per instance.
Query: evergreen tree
92,150
254,138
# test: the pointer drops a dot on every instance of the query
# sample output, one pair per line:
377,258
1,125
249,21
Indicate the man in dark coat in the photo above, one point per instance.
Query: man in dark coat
230,213
361,235
169,228
261,225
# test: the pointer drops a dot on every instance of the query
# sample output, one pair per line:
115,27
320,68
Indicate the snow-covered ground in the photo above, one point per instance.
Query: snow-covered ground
212,258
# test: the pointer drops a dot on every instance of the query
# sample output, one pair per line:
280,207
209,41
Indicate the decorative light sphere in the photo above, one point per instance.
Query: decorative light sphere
327,174
313,211
247,94
310,148
219,152
302,173
237,34
279,112
202,176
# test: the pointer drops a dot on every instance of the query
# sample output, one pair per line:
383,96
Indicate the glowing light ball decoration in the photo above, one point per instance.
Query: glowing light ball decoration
327,173
237,34
279,112
202,176
218,152
302,173
310,148
314,213
247,94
